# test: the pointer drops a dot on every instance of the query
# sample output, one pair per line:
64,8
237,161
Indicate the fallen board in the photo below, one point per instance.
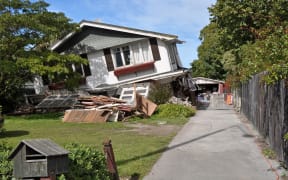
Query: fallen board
86,115
145,105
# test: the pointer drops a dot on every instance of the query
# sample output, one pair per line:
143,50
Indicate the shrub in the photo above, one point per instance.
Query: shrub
1,120
286,137
269,153
6,168
160,93
86,162
174,111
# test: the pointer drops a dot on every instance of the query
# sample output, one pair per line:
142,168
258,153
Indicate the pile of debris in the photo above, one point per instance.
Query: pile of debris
102,109
180,101
89,102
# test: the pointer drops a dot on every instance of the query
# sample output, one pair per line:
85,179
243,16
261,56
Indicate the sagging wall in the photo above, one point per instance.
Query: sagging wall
266,106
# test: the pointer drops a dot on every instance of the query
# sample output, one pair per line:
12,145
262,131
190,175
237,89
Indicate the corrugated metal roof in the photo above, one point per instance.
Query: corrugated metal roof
43,146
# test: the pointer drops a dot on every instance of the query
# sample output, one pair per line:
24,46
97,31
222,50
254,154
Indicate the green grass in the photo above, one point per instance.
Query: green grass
135,154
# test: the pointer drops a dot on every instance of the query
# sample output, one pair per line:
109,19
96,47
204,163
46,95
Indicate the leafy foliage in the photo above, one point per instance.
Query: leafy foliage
254,38
210,54
1,120
269,153
26,32
286,137
6,168
160,93
174,111
86,163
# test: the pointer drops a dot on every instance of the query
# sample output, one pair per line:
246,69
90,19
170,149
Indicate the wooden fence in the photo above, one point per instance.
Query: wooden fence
266,106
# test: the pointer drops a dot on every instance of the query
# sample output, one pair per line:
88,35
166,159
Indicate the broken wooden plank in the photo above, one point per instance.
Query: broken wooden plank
86,115
145,105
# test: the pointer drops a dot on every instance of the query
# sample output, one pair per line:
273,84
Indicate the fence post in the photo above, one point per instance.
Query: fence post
110,159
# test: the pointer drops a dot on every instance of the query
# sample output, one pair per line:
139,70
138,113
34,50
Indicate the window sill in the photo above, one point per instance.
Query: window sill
134,68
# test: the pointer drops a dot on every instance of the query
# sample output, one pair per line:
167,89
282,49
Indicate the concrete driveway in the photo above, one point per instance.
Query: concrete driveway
213,145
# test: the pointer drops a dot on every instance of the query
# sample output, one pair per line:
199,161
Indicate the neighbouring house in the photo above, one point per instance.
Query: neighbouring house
120,57
207,85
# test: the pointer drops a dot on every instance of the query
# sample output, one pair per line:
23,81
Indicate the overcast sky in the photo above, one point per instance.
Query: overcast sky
184,18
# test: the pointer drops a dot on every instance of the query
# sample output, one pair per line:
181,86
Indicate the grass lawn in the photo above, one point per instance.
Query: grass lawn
135,153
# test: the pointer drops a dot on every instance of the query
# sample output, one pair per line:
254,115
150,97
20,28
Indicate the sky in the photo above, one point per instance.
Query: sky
184,18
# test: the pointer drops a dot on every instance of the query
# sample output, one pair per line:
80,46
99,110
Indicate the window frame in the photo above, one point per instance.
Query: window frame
132,60
83,69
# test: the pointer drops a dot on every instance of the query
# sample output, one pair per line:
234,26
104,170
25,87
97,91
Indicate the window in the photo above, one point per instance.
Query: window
83,69
145,51
126,53
136,53
122,56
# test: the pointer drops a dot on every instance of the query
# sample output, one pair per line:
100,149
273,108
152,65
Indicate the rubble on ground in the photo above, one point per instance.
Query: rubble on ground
103,108
175,100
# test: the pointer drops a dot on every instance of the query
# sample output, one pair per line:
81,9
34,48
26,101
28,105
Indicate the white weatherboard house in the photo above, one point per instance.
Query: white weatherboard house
120,55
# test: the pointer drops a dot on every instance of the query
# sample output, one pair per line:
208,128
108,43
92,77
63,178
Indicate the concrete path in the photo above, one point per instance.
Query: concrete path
213,145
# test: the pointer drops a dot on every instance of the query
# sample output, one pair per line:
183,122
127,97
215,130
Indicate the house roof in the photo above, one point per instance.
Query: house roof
202,80
121,29
43,146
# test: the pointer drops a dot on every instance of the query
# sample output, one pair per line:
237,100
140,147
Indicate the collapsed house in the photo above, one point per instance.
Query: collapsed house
121,58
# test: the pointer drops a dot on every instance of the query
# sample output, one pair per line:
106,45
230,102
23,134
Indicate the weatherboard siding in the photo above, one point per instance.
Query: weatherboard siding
99,71
101,75
163,65
23,168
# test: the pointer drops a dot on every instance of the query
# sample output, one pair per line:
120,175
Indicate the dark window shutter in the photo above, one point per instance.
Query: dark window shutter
84,56
155,49
78,68
45,79
87,70
108,58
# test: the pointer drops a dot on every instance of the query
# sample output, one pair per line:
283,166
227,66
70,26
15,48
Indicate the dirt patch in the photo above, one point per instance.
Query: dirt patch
157,130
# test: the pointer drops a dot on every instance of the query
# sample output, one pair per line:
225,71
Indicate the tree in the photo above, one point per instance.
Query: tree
254,37
210,54
27,29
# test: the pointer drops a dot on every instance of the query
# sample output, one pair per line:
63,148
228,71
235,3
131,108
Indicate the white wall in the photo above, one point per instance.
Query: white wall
100,74
164,64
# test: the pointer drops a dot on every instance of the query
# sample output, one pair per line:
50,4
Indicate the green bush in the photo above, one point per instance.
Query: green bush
269,153
86,162
286,137
174,111
160,93
6,167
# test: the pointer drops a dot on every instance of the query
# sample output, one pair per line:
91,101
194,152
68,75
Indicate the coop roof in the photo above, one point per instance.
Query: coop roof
43,146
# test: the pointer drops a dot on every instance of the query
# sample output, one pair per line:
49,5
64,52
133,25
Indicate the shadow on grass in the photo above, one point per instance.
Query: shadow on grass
44,116
17,133
135,176
242,129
